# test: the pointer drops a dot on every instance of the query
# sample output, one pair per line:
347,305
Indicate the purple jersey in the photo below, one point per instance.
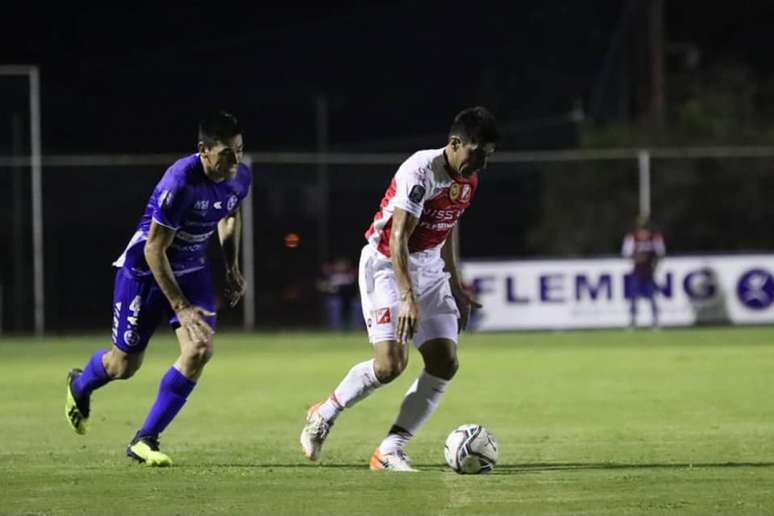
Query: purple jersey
191,204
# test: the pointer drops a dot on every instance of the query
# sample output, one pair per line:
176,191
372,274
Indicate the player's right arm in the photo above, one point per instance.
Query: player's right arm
403,224
190,317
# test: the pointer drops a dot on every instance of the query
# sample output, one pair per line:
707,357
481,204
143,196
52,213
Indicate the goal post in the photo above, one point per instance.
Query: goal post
38,279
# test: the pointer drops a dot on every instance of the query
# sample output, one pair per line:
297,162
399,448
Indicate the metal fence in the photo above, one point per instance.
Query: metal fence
558,203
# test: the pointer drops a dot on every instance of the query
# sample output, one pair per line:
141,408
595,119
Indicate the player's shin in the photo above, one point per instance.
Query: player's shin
359,383
418,405
92,377
173,393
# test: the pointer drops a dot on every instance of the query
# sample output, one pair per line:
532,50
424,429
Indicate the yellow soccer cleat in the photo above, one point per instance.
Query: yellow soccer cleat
145,449
76,410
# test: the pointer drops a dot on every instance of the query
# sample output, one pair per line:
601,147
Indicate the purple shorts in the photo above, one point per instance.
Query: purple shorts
641,287
139,305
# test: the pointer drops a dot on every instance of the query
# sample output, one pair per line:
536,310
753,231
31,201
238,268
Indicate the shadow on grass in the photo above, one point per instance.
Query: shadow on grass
512,469
509,469
301,465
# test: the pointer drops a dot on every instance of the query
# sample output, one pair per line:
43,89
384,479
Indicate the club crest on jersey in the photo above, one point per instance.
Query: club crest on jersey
460,193
131,337
383,316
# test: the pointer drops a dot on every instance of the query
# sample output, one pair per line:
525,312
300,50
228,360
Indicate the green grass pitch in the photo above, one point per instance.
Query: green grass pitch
597,422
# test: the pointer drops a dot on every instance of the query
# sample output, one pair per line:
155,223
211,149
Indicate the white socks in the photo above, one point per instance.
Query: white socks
359,383
419,404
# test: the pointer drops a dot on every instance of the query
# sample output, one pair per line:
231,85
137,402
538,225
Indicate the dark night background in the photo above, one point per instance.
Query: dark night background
558,75
136,78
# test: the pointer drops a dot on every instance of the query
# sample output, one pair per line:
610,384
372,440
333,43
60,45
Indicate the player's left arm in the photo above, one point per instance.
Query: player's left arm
465,303
229,232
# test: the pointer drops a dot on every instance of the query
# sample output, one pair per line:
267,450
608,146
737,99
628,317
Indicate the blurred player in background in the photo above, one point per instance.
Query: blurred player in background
645,247
338,287
163,275
410,287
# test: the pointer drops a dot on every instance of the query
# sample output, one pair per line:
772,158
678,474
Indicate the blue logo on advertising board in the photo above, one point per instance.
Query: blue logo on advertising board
756,289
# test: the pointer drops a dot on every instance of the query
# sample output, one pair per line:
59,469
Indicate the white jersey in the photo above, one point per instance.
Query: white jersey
423,188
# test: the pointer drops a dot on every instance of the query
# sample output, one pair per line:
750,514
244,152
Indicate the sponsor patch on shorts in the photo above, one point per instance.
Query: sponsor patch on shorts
383,316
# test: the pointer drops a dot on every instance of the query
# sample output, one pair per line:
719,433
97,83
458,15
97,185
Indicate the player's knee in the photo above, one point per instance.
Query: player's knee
387,373
445,368
387,370
200,355
122,367
451,368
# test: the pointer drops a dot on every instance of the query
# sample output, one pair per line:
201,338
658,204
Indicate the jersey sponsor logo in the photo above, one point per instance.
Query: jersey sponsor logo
756,289
202,205
438,226
417,193
232,202
383,316
439,220
442,215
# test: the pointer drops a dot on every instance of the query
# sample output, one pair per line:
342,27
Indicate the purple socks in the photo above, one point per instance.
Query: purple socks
93,376
173,392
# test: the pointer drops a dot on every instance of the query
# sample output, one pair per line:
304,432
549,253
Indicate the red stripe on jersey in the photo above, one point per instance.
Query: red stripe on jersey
384,237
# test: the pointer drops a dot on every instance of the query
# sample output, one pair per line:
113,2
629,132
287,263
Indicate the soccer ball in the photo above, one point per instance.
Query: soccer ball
470,449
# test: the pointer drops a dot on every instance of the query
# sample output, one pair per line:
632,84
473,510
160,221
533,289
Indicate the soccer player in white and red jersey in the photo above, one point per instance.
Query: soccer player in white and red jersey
645,247
410,288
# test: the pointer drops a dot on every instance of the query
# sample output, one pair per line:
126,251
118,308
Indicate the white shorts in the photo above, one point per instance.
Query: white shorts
380,298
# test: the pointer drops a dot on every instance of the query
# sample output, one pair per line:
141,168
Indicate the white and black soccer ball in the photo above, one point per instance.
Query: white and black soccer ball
471,449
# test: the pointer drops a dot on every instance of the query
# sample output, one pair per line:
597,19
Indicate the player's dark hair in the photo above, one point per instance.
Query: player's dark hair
219,126
475,124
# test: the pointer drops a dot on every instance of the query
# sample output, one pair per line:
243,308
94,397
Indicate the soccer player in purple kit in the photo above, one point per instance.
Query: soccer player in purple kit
644,247
164,274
